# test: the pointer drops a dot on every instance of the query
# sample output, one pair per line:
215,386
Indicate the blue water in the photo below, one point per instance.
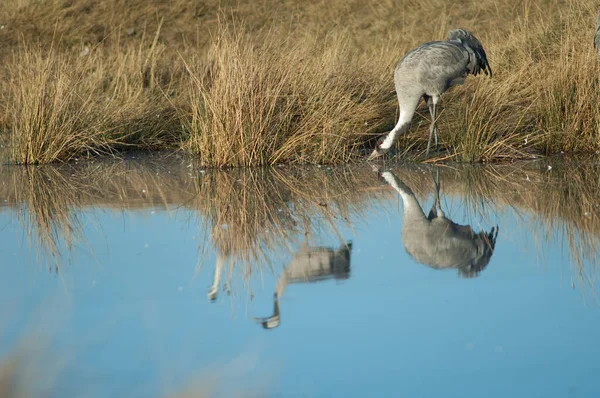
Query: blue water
127,314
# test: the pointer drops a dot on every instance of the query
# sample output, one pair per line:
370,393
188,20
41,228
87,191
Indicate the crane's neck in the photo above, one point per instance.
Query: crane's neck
412,209
403,124
214,288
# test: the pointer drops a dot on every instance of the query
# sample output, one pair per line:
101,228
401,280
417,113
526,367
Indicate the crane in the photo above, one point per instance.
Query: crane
427,72
437,241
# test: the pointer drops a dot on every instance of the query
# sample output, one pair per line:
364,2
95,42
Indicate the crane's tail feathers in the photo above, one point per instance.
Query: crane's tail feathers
474,47
487,68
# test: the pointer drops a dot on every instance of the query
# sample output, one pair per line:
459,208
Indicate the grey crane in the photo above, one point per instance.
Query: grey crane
427,72
437,241
597,36
309,264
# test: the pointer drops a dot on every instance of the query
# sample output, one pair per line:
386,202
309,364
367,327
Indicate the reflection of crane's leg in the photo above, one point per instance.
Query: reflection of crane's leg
213,291
306,225
437,204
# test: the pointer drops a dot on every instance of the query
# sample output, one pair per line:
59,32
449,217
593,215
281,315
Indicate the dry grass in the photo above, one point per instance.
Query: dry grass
62,106
253,84
266,99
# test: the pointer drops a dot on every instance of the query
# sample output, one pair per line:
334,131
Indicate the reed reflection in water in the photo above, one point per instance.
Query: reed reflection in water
246,215
256,218
290,227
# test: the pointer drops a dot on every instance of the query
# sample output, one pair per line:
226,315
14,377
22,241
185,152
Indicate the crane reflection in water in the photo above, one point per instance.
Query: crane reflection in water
437,241
310,264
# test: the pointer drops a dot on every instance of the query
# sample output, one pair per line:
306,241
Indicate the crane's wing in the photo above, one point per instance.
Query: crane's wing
474,48
435,66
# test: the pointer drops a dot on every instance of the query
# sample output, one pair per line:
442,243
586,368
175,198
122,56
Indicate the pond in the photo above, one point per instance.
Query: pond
148,276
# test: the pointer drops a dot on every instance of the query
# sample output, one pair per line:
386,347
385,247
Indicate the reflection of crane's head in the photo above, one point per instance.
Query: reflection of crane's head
270,323
486,242
274,320
212,293
340,266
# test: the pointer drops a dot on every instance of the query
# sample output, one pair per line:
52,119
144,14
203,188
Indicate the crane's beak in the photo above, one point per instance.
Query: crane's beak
375,154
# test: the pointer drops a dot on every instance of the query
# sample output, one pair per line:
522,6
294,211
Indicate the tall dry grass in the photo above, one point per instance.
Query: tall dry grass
62,105
243,84
50,118
266,98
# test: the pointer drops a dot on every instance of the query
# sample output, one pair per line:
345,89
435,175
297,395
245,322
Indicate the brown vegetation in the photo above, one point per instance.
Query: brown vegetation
246,83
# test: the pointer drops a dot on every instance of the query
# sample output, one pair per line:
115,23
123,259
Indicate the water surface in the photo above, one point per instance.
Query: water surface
155,278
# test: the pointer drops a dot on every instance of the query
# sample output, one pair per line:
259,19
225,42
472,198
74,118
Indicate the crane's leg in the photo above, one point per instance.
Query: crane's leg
431,104
431,112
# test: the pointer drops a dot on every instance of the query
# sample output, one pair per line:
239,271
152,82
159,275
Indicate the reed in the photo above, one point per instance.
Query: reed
265,99
62,105
246,85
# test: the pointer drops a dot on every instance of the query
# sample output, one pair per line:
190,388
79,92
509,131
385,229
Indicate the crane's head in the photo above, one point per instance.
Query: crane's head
378,151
